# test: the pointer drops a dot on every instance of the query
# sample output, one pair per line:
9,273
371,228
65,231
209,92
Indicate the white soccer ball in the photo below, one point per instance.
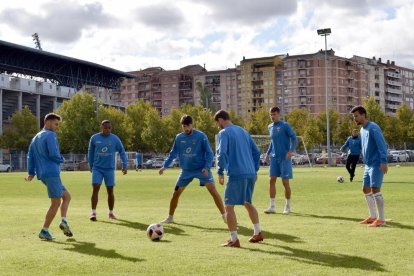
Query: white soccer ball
340,179
155,232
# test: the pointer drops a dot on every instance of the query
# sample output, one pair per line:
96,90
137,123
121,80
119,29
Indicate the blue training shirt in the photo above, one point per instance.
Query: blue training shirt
374,148
43,159
102,149
237,153
283,139
353,144
194,151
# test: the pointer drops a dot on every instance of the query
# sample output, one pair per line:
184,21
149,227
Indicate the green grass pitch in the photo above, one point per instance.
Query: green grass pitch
320,237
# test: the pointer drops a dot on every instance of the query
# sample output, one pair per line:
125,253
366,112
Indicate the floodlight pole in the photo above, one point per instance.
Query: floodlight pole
325,33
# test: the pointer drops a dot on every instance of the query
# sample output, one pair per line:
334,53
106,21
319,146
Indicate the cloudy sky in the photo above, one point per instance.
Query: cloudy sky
133,35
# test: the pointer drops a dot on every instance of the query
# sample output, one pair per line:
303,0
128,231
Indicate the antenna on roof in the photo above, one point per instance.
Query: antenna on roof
37,41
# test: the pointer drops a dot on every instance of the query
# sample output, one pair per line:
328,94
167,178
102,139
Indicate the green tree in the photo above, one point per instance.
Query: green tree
155,133
259,121
298,119
333,120
23,127
404,116
118,122
312,134
374,112
345,126
79,123
136,125
237,120
205,95
393,132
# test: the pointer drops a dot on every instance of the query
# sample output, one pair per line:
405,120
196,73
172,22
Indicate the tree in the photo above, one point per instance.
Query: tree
374,112
237,120
345,126
259,121
155,133
79,123
135,122
205,95
393,132
333,120
404,116
118,122
23,127
298,119
312,134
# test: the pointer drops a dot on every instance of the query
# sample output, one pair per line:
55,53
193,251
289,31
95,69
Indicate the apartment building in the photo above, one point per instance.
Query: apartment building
224,86
258,83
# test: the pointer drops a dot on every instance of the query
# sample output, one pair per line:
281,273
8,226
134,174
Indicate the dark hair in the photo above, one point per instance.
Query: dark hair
186,120
360,109
275,109
105,122
222,114
52,116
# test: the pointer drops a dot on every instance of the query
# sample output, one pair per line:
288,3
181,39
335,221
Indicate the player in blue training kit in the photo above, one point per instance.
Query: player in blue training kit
44,161
283,144
353,143
239,155
374,151
196,157
101,157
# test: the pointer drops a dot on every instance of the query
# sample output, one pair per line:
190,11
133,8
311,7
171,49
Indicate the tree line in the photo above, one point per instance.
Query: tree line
141,128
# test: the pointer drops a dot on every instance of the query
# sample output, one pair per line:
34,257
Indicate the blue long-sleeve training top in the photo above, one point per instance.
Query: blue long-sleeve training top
237,153
353,144
102,149
283,139
374,148
194,151
44,158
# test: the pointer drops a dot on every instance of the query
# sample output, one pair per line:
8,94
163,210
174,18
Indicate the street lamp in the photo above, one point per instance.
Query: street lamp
325,33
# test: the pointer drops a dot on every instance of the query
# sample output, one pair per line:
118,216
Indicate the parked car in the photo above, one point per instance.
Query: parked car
5,168
324,159
153,163
399,156
410,155
69,166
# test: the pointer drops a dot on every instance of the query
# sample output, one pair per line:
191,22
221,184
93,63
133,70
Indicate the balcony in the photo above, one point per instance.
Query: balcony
391,106
394,99
393,74
257,82
393,90
394,83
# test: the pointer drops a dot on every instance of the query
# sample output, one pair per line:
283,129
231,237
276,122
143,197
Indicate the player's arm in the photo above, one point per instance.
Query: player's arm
173,154
344,146
91,153
255,153
293,142
222,156
53,148
209,155
31,166
269,150
382,148
123,156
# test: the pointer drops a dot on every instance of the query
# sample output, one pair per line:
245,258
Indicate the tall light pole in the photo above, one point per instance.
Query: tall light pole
325,33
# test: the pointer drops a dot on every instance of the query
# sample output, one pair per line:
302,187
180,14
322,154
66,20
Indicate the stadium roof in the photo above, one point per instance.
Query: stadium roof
63,70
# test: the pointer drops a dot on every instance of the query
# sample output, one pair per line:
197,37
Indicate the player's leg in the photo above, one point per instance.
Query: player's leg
217,199
369,197
109,178
97,178
178,190
253,215
354,162
286,174
288,193
274,173
348,165
64,226
234,194
377,177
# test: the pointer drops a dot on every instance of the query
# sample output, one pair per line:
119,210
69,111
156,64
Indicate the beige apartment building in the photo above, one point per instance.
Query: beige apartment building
224,86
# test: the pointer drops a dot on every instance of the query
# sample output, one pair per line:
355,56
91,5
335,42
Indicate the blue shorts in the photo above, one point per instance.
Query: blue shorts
54,186
281,168
186,177
107,175
373,177
239,192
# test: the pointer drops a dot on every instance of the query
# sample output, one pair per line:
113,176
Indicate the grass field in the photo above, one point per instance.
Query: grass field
320,237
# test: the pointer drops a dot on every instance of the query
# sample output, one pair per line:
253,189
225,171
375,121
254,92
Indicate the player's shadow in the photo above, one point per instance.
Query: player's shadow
399,182
269,235
143,227
89,248
322,258
389,223
248,232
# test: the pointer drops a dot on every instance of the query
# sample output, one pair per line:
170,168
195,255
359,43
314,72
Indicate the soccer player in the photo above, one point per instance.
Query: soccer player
374,151
239,155
101,157
44,161
283,143
196,157
353,143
